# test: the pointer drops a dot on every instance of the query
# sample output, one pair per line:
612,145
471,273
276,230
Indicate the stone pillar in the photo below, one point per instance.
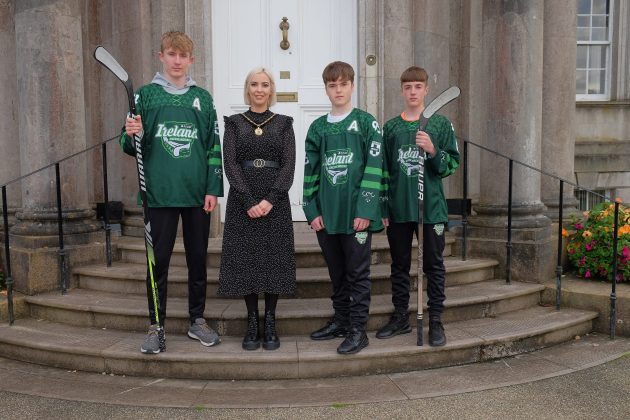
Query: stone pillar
558,133
51,127
512,65
398,53
9,150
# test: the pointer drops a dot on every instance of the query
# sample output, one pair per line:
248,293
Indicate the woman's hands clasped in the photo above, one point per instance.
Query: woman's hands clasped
260,210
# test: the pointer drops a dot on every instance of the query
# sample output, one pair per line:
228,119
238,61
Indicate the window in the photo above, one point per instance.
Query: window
586,200
594,22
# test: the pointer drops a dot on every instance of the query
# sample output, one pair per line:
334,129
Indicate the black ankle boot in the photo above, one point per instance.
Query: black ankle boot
271,340
252,337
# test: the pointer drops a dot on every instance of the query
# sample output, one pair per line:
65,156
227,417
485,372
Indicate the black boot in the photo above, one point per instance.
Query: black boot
252,337
270,340
437,338
333,329
356,340
398,324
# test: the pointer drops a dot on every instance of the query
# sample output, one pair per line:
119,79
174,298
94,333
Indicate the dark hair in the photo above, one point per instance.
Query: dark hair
338,70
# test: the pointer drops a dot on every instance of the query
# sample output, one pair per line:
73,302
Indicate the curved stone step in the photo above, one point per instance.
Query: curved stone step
117,352
307,251
129,278
90,308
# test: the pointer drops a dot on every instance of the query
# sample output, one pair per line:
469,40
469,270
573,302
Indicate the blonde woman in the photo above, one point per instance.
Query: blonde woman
259,161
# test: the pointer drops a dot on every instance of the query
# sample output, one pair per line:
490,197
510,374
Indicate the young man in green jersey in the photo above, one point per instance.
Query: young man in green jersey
342,181
403,143
183,170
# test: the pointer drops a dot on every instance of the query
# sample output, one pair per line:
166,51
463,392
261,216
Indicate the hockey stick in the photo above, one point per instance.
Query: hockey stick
442,99
105,58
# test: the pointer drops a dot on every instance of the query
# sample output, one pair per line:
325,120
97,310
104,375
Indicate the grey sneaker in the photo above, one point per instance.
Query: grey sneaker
202,332
151,343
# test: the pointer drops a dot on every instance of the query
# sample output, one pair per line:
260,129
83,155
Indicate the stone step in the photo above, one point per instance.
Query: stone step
307,251
117,352
89,308
129,278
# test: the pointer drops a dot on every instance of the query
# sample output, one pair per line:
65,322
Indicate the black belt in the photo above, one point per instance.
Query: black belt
260,163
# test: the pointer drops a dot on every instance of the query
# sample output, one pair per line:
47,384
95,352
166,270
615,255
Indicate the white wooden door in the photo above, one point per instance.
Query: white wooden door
247,34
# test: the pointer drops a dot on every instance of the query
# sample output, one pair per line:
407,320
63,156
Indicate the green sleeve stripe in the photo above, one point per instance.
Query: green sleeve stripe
373,171
311,178
216,148
214,162
384,187
309,191
371,184
385,174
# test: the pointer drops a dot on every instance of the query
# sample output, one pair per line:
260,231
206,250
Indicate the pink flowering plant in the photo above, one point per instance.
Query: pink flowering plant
591,243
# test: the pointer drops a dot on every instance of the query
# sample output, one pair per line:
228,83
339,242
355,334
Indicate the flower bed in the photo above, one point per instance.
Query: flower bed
591,243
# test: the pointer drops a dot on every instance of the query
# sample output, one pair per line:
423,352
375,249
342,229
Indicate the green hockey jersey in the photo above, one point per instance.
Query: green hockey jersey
180,146
343,172
401,165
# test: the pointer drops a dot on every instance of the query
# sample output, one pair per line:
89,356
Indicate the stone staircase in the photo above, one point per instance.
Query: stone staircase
100,324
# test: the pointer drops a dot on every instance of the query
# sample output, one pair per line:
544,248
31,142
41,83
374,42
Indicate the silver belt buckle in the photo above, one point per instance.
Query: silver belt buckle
259,163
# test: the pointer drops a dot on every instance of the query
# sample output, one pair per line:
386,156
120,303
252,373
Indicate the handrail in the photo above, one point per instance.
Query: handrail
63,262
562,181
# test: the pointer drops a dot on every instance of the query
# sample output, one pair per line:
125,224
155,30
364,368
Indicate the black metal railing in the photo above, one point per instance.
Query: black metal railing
562,182
62,253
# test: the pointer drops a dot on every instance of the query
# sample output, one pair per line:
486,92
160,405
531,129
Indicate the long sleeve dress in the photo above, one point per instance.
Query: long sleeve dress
258,253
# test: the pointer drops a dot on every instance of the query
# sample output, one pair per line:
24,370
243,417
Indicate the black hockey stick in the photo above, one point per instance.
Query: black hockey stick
442,99
106,59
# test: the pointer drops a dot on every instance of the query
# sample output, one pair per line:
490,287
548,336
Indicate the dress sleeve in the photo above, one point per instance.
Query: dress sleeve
284,180
233,169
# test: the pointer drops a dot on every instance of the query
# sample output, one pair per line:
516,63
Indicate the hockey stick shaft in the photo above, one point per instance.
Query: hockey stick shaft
440,101
108,61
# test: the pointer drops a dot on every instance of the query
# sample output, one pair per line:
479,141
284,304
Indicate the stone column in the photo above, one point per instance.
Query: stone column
512,65
398,53
558,133
51,127
9,150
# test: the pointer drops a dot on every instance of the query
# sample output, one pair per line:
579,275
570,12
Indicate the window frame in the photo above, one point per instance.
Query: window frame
584,97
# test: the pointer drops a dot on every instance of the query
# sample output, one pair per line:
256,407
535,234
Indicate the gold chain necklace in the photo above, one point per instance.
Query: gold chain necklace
258,130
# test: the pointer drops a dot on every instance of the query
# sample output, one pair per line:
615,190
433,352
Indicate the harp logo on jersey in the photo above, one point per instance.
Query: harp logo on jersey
177,137
336,165
409,159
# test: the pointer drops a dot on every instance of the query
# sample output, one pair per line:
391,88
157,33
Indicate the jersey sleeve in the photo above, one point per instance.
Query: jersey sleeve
446,159
214,179
369,197
233,169
312,168
284,179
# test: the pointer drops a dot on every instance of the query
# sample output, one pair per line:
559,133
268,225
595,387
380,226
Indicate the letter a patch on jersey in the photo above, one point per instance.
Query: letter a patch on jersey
354,126
197,104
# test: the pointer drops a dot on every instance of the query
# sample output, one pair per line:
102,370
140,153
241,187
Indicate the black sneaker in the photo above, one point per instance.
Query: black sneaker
398,324
437,338
356,341
332,329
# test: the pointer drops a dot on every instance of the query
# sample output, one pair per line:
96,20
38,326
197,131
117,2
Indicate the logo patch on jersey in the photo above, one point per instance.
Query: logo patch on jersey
361,237
409,159
197,104
336,165
439,229
375,148
177,137
354,126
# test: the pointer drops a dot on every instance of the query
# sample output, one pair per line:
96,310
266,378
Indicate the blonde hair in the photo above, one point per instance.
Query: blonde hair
272,98
176,40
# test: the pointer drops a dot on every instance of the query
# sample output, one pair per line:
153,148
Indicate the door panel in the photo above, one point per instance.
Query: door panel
246,34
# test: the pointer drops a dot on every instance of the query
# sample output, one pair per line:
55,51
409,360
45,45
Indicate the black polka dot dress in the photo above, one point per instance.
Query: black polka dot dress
258,254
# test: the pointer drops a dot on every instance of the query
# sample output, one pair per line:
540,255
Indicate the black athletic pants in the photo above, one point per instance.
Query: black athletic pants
348,260
400,237
195,227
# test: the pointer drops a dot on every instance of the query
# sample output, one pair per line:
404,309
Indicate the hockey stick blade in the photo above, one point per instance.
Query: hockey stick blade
106,59
436,104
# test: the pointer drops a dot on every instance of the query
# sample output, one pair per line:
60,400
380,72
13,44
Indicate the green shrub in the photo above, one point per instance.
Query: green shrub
591,242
